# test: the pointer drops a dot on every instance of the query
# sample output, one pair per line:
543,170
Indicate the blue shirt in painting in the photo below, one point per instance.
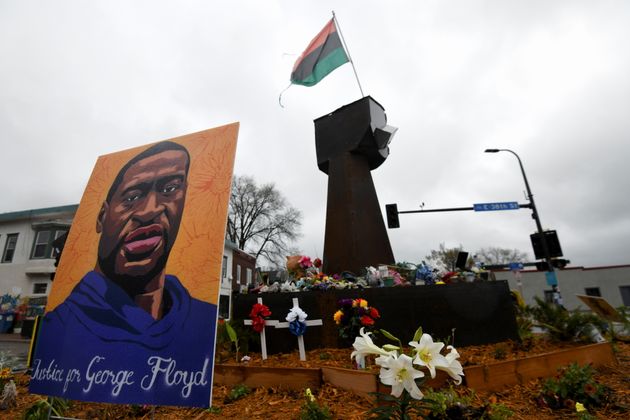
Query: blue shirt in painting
98,345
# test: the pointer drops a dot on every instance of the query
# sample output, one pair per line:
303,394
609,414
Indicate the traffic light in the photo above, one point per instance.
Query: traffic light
556,262
392,216
553,244
542,266
559,262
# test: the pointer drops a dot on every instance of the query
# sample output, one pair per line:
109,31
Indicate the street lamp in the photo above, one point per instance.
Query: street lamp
532,205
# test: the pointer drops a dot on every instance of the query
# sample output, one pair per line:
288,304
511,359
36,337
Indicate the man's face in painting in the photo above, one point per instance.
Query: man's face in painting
139,223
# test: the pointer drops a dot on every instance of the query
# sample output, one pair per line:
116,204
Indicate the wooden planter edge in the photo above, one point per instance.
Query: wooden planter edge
488,377
495,376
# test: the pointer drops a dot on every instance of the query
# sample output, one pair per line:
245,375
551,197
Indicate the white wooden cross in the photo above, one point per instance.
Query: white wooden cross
300,338
263,339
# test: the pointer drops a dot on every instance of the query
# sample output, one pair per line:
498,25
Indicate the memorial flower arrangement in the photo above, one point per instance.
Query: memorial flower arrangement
297,321
305,262
258,314
353,315
404,370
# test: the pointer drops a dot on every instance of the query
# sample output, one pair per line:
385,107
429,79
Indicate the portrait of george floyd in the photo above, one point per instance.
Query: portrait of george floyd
132,314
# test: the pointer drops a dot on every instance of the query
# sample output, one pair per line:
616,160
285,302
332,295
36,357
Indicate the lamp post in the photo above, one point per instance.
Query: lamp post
530,197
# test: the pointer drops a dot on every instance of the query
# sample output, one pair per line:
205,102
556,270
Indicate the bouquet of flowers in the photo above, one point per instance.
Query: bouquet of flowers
402,371
258,314
354,315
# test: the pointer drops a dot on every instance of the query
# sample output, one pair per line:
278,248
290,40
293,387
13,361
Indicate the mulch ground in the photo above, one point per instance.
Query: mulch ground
272,403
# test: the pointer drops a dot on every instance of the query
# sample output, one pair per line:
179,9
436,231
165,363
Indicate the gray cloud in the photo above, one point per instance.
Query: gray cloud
546,79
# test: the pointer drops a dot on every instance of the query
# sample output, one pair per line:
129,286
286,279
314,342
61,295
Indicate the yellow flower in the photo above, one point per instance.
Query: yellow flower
359,302
579,407
309,395
337,317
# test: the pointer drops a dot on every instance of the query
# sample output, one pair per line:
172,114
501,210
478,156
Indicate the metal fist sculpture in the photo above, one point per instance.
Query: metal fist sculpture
350,142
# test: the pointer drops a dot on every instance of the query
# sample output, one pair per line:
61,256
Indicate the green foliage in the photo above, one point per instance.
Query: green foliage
524,324
391,337
565,325
625,325
311,410
232,337
585,415
446,403
574,383
498,412
213,410
238,392
324,356
390,407
139,410
442,404
40,409
500,351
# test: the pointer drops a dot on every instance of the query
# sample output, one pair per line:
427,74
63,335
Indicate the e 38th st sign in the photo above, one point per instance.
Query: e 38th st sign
508,205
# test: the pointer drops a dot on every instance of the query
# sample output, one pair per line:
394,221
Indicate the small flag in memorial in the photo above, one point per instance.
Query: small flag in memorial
323,55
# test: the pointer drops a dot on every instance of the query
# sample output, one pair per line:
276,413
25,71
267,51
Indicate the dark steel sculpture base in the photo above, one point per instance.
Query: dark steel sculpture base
479,313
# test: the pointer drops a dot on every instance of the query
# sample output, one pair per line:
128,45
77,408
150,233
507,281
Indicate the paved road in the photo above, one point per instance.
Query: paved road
16,348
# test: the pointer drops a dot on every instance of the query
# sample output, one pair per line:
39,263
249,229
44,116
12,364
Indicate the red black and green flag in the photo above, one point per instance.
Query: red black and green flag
324,54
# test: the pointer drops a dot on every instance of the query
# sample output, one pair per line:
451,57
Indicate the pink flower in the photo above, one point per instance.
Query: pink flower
305,262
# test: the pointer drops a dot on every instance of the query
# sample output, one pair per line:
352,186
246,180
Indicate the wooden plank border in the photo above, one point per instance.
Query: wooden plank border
495,376
490,377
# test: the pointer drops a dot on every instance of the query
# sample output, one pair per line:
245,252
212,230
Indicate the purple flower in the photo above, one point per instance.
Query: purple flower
345,302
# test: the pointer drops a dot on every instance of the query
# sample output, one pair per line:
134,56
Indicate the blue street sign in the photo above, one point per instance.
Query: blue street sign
551,278
508,205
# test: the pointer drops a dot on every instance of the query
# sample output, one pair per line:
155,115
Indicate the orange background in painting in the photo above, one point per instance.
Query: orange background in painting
197,255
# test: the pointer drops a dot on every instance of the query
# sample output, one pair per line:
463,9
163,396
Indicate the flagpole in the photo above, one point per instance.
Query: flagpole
343,41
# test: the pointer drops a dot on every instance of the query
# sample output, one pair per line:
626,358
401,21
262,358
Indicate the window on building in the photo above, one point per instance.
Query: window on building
40,288
224,306
224,267
43,244
9,248
55,250
249,276
625,295
238,273
592,291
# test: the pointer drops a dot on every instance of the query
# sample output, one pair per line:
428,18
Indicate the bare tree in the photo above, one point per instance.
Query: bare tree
496,255
444,258
260,221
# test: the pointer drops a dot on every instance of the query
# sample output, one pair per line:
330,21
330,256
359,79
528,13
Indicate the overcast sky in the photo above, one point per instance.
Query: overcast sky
547,79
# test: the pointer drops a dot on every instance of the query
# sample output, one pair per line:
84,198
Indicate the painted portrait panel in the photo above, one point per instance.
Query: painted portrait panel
132,313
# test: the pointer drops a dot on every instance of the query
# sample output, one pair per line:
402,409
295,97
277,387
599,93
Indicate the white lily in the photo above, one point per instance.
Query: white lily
364,345
452,366
398,371
428,353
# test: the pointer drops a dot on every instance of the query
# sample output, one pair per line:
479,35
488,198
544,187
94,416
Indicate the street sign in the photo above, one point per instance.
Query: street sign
551,278
508,205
